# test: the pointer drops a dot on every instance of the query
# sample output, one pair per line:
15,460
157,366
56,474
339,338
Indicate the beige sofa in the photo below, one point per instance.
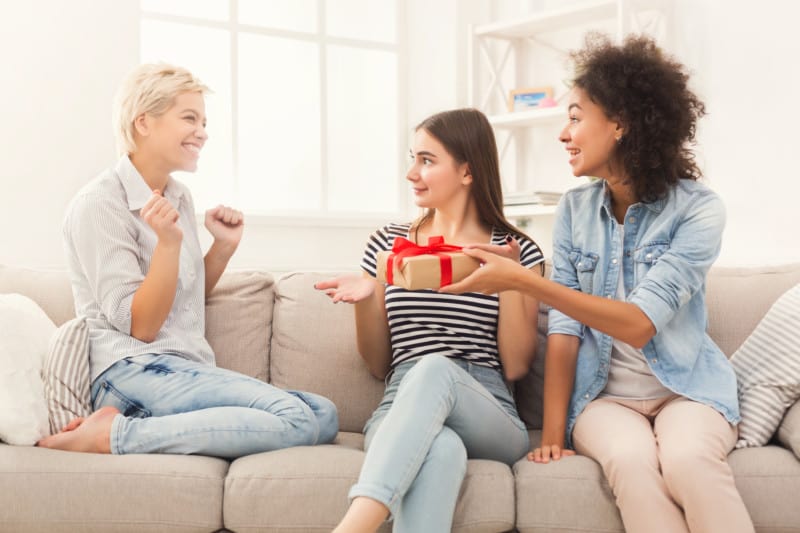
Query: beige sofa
287,333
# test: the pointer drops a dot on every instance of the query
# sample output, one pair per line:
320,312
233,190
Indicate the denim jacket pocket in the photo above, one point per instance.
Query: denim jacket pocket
585,265
646,256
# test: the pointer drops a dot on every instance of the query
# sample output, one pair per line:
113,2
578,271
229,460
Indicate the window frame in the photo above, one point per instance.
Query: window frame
324,216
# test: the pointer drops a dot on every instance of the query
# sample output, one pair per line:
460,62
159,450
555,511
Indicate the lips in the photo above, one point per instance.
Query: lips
193,148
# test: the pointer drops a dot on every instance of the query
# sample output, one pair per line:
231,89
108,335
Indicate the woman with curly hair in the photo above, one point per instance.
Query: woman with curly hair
632,380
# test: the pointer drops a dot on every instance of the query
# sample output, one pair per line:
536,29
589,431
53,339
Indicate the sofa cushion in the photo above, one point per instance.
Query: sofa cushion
768,479
269,492
24,333
767,368
738,297
52,491
66,374
49,289
570,495
314,349
548,495
239,320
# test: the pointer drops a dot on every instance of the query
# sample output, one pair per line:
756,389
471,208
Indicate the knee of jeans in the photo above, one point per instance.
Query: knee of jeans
449,452
304,425
328,421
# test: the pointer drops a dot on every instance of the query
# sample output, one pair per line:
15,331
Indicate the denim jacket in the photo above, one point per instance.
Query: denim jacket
669,246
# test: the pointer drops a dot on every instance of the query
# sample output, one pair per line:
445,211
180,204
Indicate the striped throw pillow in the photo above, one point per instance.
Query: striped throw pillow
767,368
66,374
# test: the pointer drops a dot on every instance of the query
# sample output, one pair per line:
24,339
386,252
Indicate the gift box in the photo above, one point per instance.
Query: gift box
415,267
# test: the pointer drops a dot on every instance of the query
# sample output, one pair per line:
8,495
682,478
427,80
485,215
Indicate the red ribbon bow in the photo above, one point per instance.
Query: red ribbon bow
403,248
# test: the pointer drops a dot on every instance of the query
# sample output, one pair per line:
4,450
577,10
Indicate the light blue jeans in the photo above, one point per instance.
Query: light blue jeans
172,405
435,413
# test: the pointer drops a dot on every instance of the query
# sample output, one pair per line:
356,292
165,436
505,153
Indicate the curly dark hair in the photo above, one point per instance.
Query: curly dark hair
646,90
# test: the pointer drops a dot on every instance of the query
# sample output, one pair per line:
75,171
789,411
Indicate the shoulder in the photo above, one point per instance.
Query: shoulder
529,252
383,237
104,194
591,193
693,197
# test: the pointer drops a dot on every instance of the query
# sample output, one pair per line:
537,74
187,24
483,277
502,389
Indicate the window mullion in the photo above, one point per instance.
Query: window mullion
234,32
323,108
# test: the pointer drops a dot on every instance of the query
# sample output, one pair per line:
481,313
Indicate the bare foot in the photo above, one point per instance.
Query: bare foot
92,434
75,422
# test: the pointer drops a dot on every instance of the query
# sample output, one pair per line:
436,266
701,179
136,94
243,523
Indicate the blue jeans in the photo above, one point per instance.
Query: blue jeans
171,405
435,414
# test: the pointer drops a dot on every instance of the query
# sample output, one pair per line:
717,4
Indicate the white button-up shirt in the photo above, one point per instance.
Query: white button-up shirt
109,248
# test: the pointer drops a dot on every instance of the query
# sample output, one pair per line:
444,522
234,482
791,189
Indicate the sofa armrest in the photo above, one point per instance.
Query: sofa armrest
789,430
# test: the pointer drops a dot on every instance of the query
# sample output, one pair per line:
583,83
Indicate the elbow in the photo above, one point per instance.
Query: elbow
141,334
516,372
640,338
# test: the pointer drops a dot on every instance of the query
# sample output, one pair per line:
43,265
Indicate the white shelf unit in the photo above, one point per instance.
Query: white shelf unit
491,76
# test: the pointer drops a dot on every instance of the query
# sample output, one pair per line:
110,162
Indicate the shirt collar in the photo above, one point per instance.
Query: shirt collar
656,206
137,191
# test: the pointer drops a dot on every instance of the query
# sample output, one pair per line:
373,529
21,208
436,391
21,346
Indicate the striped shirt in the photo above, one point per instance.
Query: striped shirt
109,248
422,322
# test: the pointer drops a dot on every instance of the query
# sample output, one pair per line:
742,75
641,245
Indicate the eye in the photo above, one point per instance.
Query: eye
426,161
573,119
189,118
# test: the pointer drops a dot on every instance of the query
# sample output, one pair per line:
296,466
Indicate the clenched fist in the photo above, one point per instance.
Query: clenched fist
225,224
162,217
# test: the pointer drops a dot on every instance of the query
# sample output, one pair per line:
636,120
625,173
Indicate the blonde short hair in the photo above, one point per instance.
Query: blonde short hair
152,89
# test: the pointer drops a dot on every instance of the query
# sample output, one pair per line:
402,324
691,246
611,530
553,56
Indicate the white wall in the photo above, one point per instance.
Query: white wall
62,62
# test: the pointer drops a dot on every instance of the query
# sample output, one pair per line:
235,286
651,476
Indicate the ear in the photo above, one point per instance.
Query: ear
141,125
619,130
466,178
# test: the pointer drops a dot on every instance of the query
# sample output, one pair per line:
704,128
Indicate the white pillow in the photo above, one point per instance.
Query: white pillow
767,369
25,332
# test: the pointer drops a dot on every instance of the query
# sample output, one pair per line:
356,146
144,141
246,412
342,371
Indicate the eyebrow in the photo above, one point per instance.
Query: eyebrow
422,152
573,105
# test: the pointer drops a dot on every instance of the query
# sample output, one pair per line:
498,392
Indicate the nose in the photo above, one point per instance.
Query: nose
413,173
201,132
563,136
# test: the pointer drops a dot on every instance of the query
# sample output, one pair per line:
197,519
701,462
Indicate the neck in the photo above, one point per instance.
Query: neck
153,173
622,196
457,226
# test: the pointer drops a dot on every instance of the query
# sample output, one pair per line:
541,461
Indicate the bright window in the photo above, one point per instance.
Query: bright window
306,115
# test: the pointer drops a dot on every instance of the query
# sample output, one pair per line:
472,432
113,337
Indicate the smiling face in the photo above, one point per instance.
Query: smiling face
590,137
436,178
174,139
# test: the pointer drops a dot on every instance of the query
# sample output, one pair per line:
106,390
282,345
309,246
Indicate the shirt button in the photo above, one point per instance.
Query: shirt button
654,360
580,264
632,220
586,396
648,256
608,296
614,261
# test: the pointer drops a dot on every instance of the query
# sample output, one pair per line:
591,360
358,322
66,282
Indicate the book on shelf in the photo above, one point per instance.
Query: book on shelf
532,197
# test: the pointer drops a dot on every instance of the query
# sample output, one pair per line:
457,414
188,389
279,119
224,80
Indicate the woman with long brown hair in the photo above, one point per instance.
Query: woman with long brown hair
446,355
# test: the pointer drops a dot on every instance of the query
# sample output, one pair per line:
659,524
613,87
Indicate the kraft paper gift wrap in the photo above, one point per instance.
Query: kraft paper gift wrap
421,267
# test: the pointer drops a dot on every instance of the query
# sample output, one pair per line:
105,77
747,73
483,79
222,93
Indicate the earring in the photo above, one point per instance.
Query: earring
619,138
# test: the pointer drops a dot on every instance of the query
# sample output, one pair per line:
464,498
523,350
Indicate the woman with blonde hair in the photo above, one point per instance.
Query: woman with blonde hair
141,280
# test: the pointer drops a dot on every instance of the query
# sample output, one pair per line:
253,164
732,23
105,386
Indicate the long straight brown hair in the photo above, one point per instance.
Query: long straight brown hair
468,137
